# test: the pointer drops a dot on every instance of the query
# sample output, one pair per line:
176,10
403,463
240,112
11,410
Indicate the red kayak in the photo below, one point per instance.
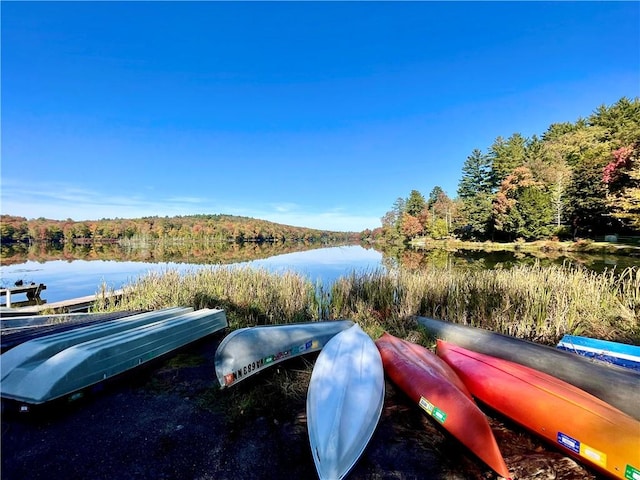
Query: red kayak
436,388
575,421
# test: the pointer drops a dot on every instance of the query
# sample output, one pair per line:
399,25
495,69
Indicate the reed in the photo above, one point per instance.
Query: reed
249,296
529,301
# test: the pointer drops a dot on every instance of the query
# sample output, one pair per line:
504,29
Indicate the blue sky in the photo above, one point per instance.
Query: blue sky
303,113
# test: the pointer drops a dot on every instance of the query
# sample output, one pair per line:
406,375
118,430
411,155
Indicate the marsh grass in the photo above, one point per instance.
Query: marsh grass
249,296
528,301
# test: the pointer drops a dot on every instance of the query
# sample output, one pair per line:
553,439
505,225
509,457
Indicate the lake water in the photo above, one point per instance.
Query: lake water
67,279
72,277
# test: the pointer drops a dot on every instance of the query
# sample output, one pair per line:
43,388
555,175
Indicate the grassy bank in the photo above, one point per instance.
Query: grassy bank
532,302
546,246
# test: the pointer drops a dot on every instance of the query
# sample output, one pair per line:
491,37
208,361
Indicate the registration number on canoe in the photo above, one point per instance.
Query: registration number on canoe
432,410
231,377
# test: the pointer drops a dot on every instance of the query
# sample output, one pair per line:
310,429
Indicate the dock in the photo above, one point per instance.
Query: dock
80,304
32,291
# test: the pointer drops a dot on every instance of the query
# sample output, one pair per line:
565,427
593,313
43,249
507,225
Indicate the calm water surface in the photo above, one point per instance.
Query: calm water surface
67,279
70,279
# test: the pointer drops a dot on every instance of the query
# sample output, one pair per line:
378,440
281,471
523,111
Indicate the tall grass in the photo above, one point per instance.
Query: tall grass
250,296
532,302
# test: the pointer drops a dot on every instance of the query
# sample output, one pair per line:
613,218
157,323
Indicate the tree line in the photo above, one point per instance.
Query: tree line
579,179
199,253
215,228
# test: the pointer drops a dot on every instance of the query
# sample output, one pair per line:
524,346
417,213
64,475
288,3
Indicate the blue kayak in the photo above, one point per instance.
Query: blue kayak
621,354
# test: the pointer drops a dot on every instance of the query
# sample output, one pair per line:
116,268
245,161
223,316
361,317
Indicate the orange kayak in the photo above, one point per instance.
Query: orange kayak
575,421
436,388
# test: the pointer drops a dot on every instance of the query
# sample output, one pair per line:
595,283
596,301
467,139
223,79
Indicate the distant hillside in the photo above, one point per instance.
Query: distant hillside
222,228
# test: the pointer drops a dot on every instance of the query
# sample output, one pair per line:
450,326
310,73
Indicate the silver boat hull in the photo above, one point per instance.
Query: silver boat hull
87,363
344,402
247,351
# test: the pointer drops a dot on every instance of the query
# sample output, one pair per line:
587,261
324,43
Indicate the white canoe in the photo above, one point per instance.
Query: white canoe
249,350
344,402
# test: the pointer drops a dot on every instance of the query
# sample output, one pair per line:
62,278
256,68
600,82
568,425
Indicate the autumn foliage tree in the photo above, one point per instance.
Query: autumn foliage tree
622,177
521,207
411,226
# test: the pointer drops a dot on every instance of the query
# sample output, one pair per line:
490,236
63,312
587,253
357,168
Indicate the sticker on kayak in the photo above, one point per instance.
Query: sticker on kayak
432,410
231,377
593,455
631,473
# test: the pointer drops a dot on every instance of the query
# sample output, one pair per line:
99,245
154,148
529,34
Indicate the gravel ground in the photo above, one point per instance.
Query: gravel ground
169,421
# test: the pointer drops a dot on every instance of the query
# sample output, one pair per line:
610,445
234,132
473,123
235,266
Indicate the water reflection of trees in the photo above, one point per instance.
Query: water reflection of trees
212,253
156,252
420,258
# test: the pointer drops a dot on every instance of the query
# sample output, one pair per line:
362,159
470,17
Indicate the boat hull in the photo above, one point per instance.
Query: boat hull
247,351
615,385
621,354
344,401
17,330
573,420
84,364
437,389
40,349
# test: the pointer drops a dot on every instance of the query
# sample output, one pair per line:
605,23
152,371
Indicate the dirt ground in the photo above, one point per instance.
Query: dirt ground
170,421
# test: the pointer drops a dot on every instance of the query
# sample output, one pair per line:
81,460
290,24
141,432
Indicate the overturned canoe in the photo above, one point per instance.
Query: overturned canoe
615,385
249,350
17,330
573,420
84,364
621,354
437,389
40,349
344,401
33,321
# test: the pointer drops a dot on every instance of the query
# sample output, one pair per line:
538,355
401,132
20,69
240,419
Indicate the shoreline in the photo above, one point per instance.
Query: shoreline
543,246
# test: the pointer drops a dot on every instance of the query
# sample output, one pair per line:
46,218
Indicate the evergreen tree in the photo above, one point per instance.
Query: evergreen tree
475,222
620,122
587,207
535,209
557,130
415,203
506,156
435,194
476,175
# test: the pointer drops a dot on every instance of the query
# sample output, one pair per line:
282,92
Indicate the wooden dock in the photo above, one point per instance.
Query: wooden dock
80,304
32,291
